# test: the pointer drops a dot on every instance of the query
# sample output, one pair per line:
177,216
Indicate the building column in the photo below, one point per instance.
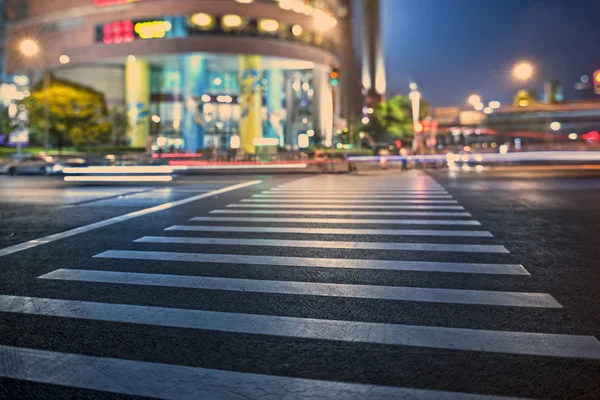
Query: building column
322,104
251,101
137,100
193,77
290,105
274,105
373,64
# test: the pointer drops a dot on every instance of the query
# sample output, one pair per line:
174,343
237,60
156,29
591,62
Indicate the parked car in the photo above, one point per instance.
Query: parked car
41,164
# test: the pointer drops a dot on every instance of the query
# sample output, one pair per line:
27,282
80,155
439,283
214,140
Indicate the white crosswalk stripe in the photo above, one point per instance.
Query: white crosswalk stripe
348,213
347,207
353,196
345,201
330,231
466,248
513,299
539,344
419,266
167,381
451,222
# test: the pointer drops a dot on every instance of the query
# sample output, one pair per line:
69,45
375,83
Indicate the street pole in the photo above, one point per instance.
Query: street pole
46,84
332,149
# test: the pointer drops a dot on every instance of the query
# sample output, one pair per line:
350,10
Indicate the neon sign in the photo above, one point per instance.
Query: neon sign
118,32
152,29
108,3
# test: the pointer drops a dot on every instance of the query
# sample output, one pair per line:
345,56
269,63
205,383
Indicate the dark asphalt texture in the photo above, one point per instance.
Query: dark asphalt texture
549,221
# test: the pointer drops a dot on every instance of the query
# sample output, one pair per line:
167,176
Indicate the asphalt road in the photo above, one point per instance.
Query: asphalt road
380,285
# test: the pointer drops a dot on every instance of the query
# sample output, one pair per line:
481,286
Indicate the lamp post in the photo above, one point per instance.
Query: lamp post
415,98
30,49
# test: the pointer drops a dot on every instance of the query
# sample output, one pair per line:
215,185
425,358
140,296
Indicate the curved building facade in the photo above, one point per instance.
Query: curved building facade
197,73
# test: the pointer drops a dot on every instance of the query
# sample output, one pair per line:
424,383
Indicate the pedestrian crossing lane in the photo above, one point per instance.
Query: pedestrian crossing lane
252,217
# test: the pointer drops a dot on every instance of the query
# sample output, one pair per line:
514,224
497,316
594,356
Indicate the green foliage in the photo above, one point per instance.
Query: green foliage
525,98
393,117
77,114
120,124
7,124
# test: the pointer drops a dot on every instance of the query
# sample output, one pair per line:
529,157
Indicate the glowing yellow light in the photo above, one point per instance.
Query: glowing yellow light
474,99
235,142
494,104
523,103
555,126
268,25
286,4
202,20
244,1
232,21
297,30
323,21
153,29
523,71
29,47
64,59
479,106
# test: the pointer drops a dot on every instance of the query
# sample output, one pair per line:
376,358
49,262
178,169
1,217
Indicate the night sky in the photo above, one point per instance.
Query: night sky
453,48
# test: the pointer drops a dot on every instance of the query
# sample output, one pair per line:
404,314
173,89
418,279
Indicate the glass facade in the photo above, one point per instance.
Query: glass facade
282,97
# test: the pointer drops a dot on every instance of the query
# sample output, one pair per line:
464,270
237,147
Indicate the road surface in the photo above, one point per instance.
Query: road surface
381,285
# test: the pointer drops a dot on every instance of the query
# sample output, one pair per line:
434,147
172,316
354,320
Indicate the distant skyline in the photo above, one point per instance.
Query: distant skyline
453,48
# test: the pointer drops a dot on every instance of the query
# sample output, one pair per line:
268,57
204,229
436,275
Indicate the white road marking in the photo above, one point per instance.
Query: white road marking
348,207
341,200
168,381
365,196
347,213
417,266
330,231
450,222
482,297
459,248
83,229
479,340
355,191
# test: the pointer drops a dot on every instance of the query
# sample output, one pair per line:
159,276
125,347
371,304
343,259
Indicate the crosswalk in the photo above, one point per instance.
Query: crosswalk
284,242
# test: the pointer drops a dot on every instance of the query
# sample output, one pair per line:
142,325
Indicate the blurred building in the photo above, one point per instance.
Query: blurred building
202,73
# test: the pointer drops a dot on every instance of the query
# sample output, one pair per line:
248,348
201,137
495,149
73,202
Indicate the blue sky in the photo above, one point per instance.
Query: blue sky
453,48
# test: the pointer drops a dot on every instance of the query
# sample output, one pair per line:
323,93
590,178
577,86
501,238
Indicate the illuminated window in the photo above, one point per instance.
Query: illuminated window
202,20
232,21
297,30
268,25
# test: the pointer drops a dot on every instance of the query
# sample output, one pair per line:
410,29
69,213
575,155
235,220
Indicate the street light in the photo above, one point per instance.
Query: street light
474,99
523,71
30,48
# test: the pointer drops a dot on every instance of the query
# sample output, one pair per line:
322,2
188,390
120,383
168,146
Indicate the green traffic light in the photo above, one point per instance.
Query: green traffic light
334,82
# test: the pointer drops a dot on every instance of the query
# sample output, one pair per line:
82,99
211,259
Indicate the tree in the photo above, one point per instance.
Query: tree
77,114
394,118
525,98
7,124
120,123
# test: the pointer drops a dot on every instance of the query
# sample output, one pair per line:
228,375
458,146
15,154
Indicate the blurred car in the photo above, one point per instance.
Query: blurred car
41,165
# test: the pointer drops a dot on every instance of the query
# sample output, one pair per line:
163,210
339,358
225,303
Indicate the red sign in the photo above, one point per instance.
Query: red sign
107,3
118,32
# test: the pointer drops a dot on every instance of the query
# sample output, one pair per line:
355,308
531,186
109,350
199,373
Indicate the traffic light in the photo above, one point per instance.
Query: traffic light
597,81
334,77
